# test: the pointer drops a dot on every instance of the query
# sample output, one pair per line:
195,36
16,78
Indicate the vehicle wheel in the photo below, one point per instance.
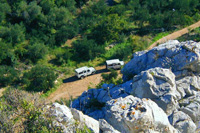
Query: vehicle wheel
82,77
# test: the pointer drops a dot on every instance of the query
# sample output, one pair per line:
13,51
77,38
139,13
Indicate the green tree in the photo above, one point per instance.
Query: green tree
7,55
36,51
86,49
13,33
39,78
4,10
108,29
8,75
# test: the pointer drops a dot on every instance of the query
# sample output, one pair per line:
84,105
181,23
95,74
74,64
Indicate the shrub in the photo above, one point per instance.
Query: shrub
87,49
36,51
24,112
8,75
39,78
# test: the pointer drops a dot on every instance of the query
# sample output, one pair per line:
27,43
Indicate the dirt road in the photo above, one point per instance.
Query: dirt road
75,87
175,34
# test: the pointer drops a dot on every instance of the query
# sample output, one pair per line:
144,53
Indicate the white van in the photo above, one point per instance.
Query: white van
84,71
114,64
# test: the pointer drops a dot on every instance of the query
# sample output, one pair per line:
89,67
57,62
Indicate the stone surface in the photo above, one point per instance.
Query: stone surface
191,106
105,127
63,117
132,114
182,122
101,96
177,57
91,123
159,85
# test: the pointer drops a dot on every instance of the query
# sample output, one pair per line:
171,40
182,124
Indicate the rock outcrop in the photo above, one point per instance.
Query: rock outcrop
160,93
177,57
132,114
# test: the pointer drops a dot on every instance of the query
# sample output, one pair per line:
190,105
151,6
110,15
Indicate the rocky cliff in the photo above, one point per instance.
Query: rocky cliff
160,93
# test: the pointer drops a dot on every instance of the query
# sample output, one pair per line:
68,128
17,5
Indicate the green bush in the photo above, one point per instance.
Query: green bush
36,51
86,49
24,112
39,78
8,75
63,57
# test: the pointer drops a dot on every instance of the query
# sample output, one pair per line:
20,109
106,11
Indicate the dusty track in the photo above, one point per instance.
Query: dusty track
175,34
74,87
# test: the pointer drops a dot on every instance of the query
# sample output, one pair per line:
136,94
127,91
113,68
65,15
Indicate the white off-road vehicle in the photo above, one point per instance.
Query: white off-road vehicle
114,64
84,71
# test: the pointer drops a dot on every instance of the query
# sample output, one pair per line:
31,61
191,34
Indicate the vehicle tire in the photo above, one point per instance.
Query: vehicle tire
82,77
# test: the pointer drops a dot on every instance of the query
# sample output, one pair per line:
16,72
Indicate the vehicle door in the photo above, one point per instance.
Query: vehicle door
89,72
85,73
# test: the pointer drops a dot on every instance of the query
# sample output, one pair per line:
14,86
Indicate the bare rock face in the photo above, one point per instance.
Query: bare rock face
182,122
105,127
67,118
191,106
177,57
91,123
159,85
63,117
132,114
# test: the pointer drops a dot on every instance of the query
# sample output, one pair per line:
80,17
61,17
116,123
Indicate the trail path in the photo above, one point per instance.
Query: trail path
175,35
75,87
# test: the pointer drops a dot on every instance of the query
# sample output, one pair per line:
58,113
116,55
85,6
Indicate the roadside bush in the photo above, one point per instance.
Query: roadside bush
87,49
111,78
7,55
24,112
39,78
8,75
63,57
36,51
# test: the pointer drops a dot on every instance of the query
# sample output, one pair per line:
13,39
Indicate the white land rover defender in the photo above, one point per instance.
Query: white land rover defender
114,64
84,71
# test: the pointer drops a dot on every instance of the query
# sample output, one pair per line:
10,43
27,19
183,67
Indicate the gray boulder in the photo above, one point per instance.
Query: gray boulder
63,117
92,101
91,123
159,85
182,122
188,85
191,106
177,57
105,127
132,114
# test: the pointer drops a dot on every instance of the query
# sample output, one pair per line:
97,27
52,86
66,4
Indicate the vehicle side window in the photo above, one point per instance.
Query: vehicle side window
84,71
118,64
81,73
88,70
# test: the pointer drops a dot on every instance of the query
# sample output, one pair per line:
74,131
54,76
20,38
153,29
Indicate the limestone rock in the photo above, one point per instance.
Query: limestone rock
188,85
182,122
91,123
177,57
105,127
132,114
191,106
159,85
63,117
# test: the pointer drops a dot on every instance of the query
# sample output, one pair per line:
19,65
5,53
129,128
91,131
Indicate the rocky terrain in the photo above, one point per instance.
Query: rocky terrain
160,93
